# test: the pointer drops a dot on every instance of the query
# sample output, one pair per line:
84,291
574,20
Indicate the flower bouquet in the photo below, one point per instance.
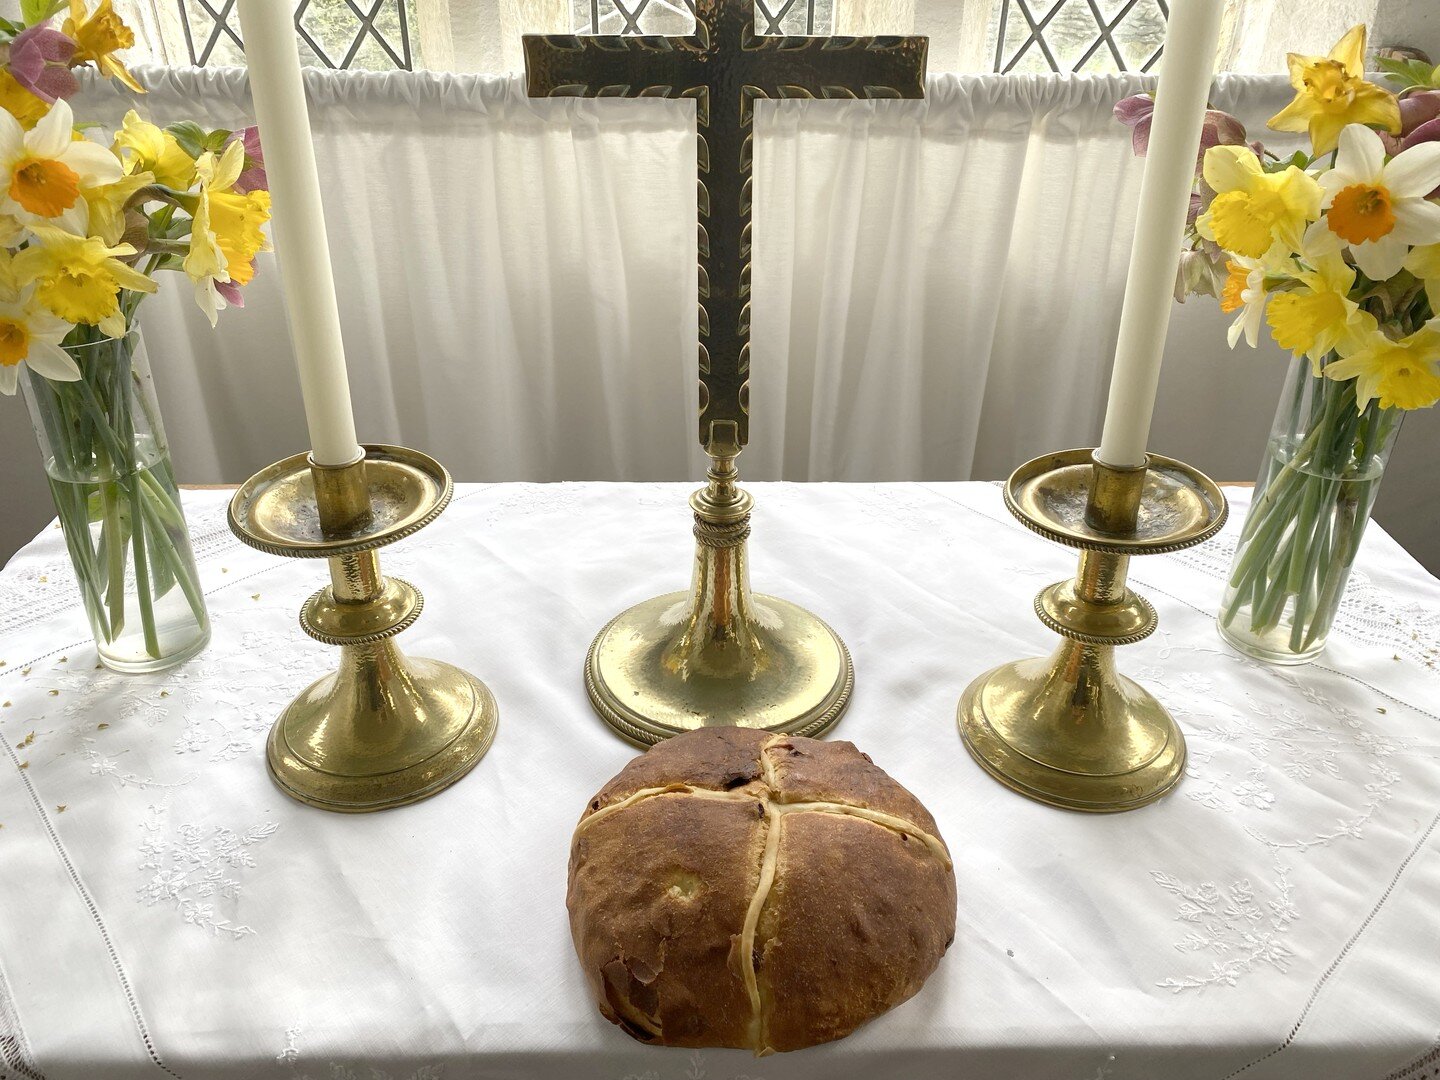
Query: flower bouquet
1337,250
86,227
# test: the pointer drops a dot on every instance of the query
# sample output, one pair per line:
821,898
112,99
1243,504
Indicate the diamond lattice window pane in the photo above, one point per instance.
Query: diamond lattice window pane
795,18
1141,34
1097,36
210,37
676,18
375,34
356,33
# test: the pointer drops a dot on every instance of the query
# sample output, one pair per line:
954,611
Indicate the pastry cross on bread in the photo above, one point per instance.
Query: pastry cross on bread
768,892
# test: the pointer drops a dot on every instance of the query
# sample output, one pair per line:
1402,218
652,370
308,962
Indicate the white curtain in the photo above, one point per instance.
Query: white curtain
941,282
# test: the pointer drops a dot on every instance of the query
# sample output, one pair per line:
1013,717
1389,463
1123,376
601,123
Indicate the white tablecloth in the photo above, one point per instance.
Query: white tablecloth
165,911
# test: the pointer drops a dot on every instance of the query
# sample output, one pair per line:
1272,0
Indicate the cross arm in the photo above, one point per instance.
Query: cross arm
561,65
837,67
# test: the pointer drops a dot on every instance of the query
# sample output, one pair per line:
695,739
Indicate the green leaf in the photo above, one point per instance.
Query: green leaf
1279,165
9,28
191,137
37,11
215,141
1410,73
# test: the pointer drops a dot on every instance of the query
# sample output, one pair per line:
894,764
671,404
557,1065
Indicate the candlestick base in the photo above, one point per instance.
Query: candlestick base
718,655
384,729
1068,729
414,727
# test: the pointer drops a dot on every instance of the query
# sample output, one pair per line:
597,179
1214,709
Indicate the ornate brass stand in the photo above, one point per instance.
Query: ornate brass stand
1068,729
718,654
384,729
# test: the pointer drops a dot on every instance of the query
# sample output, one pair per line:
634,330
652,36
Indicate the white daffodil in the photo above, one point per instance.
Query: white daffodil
1244,291
12,231
43,170
30,335
1377,209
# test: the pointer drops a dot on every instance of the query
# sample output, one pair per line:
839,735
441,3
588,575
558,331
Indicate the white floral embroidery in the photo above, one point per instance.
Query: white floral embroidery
1253,792
1309,739
369,1072
1234,925
291,1052
911,508
197,868
103,765
695,1070
290,1055
211,733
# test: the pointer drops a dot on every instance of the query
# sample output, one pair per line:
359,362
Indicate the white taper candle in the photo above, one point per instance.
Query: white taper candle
1180,100
302,247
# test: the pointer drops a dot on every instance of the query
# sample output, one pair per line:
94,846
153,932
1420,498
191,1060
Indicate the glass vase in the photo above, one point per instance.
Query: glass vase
115,493
1312,501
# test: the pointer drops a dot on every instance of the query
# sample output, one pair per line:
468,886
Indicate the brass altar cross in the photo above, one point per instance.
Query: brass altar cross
725,66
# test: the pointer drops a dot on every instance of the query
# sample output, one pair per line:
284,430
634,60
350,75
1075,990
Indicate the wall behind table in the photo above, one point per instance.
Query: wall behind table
937,289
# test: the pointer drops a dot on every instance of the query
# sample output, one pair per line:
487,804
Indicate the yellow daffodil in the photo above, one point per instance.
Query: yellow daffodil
1313,320
1402,374
107,205
1377,209
1255,211
79,278
145,147
43,170
20,103
1331,91
97,37
227,232
29,334
1424,263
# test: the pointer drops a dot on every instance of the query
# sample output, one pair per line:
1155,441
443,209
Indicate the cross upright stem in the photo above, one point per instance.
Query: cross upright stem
725,67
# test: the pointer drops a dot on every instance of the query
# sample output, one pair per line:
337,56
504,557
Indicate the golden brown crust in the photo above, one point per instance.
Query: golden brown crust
809,770
653,920
856,921
730,888
720,759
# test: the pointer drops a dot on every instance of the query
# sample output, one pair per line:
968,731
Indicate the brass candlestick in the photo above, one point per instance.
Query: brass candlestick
384,729
1068,729
718,654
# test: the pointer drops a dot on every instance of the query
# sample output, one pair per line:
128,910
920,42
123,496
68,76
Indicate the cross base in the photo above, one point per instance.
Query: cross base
718,655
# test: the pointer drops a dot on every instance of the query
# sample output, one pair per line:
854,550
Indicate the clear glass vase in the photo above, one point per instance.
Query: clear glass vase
109,469
1317,486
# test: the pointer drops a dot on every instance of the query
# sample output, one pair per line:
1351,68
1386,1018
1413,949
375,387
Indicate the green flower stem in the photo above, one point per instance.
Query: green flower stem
1308,522
1280,485
142,573
163,506
1313,500
75,526
1337,570
117,506
165,546
115,557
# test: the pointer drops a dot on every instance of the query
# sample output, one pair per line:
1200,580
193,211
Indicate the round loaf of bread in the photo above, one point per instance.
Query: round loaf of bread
733,888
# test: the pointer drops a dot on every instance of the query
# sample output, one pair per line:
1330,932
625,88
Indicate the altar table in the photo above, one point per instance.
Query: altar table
166,911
